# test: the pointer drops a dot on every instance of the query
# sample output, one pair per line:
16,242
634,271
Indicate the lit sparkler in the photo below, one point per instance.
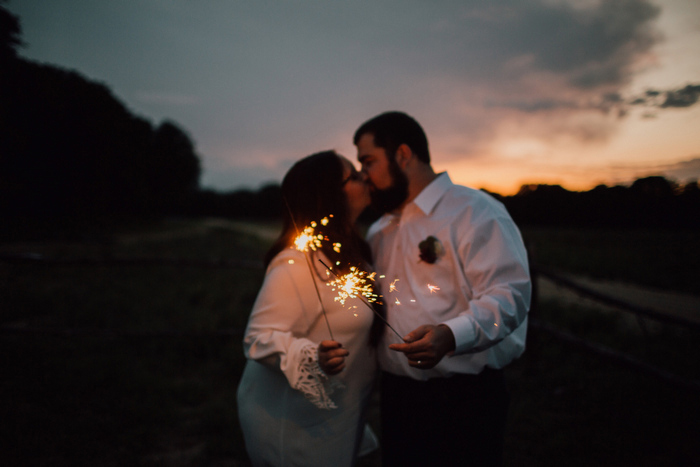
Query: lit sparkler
433,288
354,285
308,239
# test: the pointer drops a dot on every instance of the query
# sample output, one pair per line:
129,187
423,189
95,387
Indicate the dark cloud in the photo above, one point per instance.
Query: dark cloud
537,105
592,44
686,96
657,99
683,97
596,45
605,103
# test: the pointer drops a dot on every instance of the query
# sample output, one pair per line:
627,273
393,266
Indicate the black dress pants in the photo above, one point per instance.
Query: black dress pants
456,421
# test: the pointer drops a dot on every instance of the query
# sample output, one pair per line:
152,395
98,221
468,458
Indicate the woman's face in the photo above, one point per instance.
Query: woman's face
355,188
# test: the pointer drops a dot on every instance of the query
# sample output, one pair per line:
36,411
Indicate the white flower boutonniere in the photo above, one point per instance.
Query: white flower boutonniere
430,249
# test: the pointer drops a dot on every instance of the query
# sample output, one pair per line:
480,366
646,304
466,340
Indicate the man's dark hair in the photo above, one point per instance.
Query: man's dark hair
391,130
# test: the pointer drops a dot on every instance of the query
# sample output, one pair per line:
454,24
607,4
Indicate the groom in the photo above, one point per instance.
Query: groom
456,285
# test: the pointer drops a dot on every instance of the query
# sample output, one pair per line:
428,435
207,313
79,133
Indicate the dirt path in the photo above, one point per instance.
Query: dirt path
267,232
674,303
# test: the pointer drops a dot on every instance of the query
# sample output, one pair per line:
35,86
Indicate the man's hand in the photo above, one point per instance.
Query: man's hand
426,345
331,357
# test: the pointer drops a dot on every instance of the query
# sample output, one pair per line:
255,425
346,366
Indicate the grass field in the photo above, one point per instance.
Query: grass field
132,398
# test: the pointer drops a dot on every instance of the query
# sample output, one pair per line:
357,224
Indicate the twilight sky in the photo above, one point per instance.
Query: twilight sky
570,92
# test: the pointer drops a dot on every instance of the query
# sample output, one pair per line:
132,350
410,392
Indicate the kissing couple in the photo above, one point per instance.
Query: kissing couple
452,277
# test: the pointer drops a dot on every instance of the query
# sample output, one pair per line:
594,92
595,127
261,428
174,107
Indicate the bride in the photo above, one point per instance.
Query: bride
303,394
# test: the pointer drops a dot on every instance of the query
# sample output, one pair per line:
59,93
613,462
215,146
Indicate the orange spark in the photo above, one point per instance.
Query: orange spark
392,286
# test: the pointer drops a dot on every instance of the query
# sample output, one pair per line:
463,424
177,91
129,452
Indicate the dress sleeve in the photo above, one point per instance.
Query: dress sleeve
497,272
285,310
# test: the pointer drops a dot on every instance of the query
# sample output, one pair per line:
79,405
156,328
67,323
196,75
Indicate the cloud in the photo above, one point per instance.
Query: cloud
682,97
683,171
671,98
593,43
553,69
590,43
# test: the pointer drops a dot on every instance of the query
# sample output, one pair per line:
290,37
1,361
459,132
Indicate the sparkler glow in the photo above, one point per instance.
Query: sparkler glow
309,239
433,288
354,285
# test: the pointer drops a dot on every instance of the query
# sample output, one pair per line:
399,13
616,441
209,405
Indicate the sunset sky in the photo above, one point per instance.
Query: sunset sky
570,92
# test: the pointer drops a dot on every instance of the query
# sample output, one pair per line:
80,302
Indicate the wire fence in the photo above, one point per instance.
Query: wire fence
562,336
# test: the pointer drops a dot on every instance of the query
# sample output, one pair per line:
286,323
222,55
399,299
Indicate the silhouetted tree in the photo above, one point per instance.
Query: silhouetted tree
173,170
650,202
70,150
269,201
655,187
10,32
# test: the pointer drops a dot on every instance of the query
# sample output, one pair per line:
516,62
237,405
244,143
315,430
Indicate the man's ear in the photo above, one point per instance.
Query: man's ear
403,155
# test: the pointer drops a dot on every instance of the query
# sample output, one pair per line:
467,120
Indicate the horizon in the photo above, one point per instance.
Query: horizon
535,186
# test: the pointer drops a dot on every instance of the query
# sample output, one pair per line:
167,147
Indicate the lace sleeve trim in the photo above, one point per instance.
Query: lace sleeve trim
312,381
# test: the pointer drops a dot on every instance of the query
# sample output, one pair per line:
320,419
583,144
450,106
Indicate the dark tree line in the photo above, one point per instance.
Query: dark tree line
70,150
265,203
650,202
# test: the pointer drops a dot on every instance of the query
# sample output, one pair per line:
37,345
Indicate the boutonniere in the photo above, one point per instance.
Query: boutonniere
430,249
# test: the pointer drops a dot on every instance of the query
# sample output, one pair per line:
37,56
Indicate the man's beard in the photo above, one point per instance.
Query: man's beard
389,199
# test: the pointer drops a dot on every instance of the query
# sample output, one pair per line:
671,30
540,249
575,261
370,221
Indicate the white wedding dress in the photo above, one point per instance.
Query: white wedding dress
290,412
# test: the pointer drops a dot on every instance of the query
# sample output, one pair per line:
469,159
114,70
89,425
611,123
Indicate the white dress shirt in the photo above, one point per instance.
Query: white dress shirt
479,286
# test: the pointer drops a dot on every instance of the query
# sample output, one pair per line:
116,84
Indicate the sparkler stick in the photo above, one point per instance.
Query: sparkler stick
356,291
303,247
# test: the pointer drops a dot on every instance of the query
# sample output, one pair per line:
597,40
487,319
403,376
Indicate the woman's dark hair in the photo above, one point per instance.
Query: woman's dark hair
391,130
312,190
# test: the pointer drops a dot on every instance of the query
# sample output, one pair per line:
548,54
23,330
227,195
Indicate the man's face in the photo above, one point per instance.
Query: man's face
388,184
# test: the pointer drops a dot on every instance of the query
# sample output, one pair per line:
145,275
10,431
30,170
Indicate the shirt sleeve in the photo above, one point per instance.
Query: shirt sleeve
498,280
285,310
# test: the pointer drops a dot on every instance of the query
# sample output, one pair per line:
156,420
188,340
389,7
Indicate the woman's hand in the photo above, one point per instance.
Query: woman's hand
331,357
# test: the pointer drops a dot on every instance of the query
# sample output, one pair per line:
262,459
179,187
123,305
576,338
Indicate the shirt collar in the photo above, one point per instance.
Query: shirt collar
425,201
431,194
